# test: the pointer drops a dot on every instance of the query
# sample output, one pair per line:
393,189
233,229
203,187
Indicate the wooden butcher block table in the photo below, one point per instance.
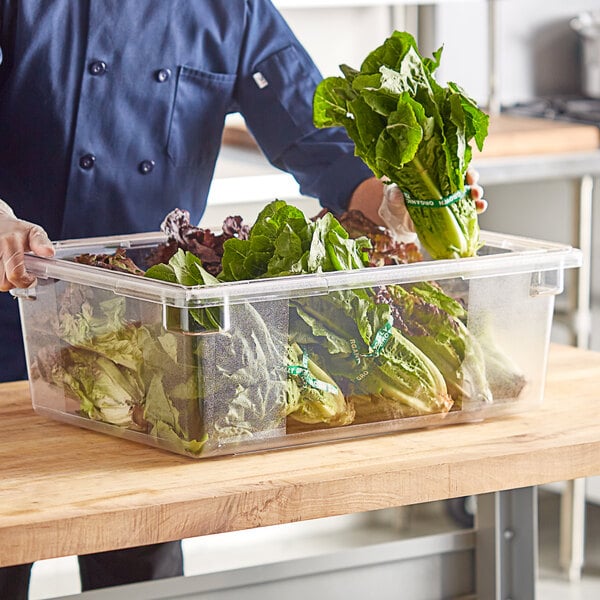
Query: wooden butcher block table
70,491
521,136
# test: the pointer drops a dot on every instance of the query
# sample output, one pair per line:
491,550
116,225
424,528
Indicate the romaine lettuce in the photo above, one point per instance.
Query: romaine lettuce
414,133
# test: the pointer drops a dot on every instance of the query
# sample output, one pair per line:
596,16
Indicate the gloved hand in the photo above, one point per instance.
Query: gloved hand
394,214
16,238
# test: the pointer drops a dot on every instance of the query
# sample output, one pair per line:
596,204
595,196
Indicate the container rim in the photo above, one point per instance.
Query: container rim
513,255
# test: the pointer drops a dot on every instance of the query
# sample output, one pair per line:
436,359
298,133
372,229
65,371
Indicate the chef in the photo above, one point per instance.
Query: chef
111,115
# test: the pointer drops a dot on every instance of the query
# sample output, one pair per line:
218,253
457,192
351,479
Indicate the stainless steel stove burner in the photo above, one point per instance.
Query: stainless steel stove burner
574,109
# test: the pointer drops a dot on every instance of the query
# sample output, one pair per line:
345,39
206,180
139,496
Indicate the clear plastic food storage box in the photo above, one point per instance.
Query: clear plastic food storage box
290,360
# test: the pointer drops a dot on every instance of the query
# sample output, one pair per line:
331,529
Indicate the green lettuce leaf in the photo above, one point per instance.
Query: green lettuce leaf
414,133
186,269
104,331
312,396
347,333
284,242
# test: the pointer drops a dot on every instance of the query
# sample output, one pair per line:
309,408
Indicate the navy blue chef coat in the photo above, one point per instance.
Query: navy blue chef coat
111,111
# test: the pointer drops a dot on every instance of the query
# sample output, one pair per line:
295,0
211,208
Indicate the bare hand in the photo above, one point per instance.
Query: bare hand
16,238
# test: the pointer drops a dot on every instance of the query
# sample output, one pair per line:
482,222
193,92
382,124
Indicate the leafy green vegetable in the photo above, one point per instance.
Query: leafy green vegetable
240,364
352,355
283,242
414,133
173,381
161,412
245,374
352,336
312,396
107,392
118,261
443,337
349,332
103,331
124,373
186,269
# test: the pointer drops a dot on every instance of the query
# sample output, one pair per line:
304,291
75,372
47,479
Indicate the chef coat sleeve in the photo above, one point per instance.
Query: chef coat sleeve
276,84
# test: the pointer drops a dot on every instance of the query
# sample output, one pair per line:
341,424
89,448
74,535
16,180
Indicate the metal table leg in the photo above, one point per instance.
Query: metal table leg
572,507
572,528
507,545
581,304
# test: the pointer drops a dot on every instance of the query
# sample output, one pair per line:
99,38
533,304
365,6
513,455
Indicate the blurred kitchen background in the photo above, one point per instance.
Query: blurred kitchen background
520,57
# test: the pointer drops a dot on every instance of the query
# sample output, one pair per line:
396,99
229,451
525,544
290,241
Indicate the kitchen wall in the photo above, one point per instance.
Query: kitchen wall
537,51
339,35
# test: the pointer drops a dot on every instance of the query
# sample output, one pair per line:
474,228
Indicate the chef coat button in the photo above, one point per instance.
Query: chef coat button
146,166
87,161
98,67
162,75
